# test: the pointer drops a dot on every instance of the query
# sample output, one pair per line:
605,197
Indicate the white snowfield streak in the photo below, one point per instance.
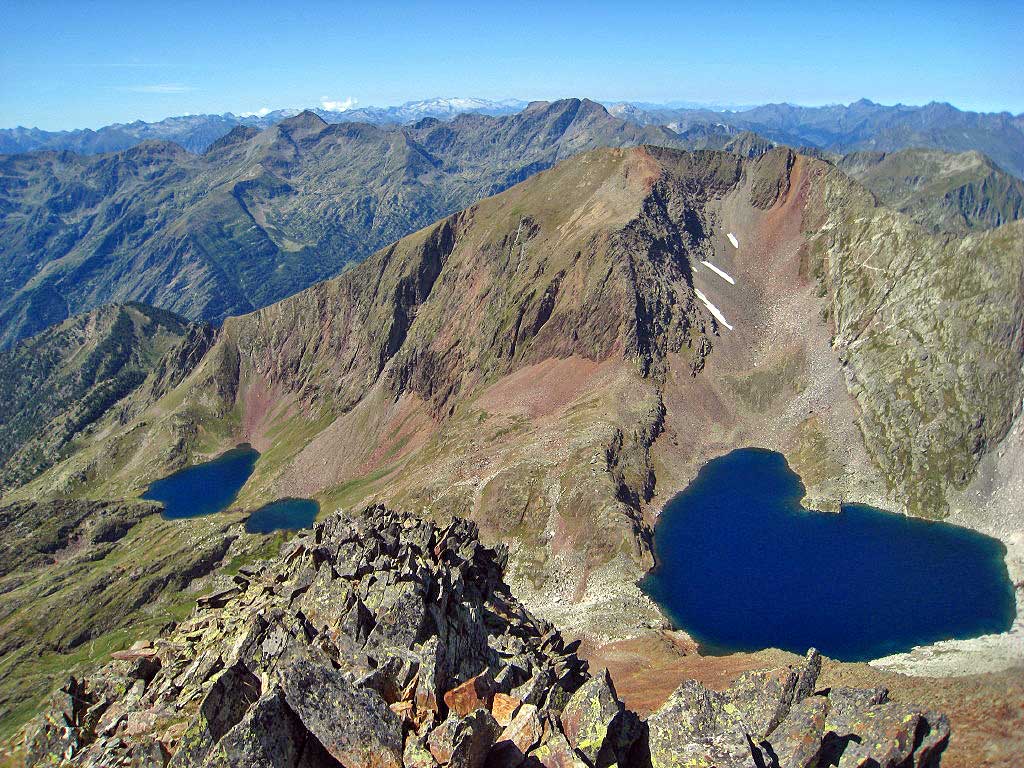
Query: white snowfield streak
713,309
733,240
721,273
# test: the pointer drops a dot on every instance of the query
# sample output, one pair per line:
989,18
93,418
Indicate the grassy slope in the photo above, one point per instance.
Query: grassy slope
56,385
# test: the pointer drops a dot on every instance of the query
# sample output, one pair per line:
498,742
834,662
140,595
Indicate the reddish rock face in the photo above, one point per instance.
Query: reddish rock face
504,708
524,731
475,693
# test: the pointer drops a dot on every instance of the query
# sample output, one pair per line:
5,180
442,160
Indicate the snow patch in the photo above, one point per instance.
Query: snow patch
712,309
721,273
733,240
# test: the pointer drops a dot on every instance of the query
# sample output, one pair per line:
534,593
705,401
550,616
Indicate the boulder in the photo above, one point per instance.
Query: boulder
224,706
475,693
797,742
556,752
589,714
353,724
504,708
464,742
268,736
524,732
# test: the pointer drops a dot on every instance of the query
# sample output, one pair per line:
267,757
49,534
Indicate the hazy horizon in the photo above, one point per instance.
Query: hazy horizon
356,106
67,65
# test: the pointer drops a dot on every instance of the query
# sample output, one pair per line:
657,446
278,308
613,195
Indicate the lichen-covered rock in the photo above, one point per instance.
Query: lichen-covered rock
556,752
269,735
464,742
596,723
774,717
353,723
523,733
797,741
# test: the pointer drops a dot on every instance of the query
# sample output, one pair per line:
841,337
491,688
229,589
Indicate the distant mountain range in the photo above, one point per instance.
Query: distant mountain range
860,126
197,132
263,213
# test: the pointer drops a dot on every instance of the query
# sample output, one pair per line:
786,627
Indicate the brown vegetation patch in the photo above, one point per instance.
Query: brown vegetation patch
546,388
261,406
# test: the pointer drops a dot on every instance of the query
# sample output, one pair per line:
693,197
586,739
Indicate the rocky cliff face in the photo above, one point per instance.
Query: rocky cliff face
930,331
386,641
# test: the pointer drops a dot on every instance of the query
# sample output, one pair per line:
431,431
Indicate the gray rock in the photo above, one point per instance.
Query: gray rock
464,742
353,724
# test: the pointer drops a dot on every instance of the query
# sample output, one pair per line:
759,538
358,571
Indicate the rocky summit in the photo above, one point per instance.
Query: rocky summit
380,640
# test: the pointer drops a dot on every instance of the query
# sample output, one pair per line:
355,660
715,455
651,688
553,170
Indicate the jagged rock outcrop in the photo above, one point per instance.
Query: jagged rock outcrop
385,641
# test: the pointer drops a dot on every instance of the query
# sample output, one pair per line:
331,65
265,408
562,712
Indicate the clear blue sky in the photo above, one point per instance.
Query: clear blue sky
86,64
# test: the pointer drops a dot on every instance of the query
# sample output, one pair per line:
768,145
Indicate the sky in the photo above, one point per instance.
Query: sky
86,64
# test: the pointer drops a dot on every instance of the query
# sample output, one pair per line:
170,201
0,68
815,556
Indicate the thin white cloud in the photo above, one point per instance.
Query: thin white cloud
159,88
337,106
261,112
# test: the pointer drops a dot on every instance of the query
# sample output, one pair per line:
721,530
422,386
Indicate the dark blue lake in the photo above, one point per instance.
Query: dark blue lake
741,566
283,515
206,488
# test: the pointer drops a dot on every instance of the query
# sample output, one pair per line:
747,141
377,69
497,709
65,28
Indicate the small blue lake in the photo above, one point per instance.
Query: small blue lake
283,515
206,488
211,487
741,567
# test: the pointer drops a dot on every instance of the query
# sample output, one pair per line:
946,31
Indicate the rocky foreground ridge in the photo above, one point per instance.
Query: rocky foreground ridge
384,640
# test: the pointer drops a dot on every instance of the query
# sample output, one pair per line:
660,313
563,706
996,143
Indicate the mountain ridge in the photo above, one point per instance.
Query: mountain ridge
259,215
262,214
830,127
